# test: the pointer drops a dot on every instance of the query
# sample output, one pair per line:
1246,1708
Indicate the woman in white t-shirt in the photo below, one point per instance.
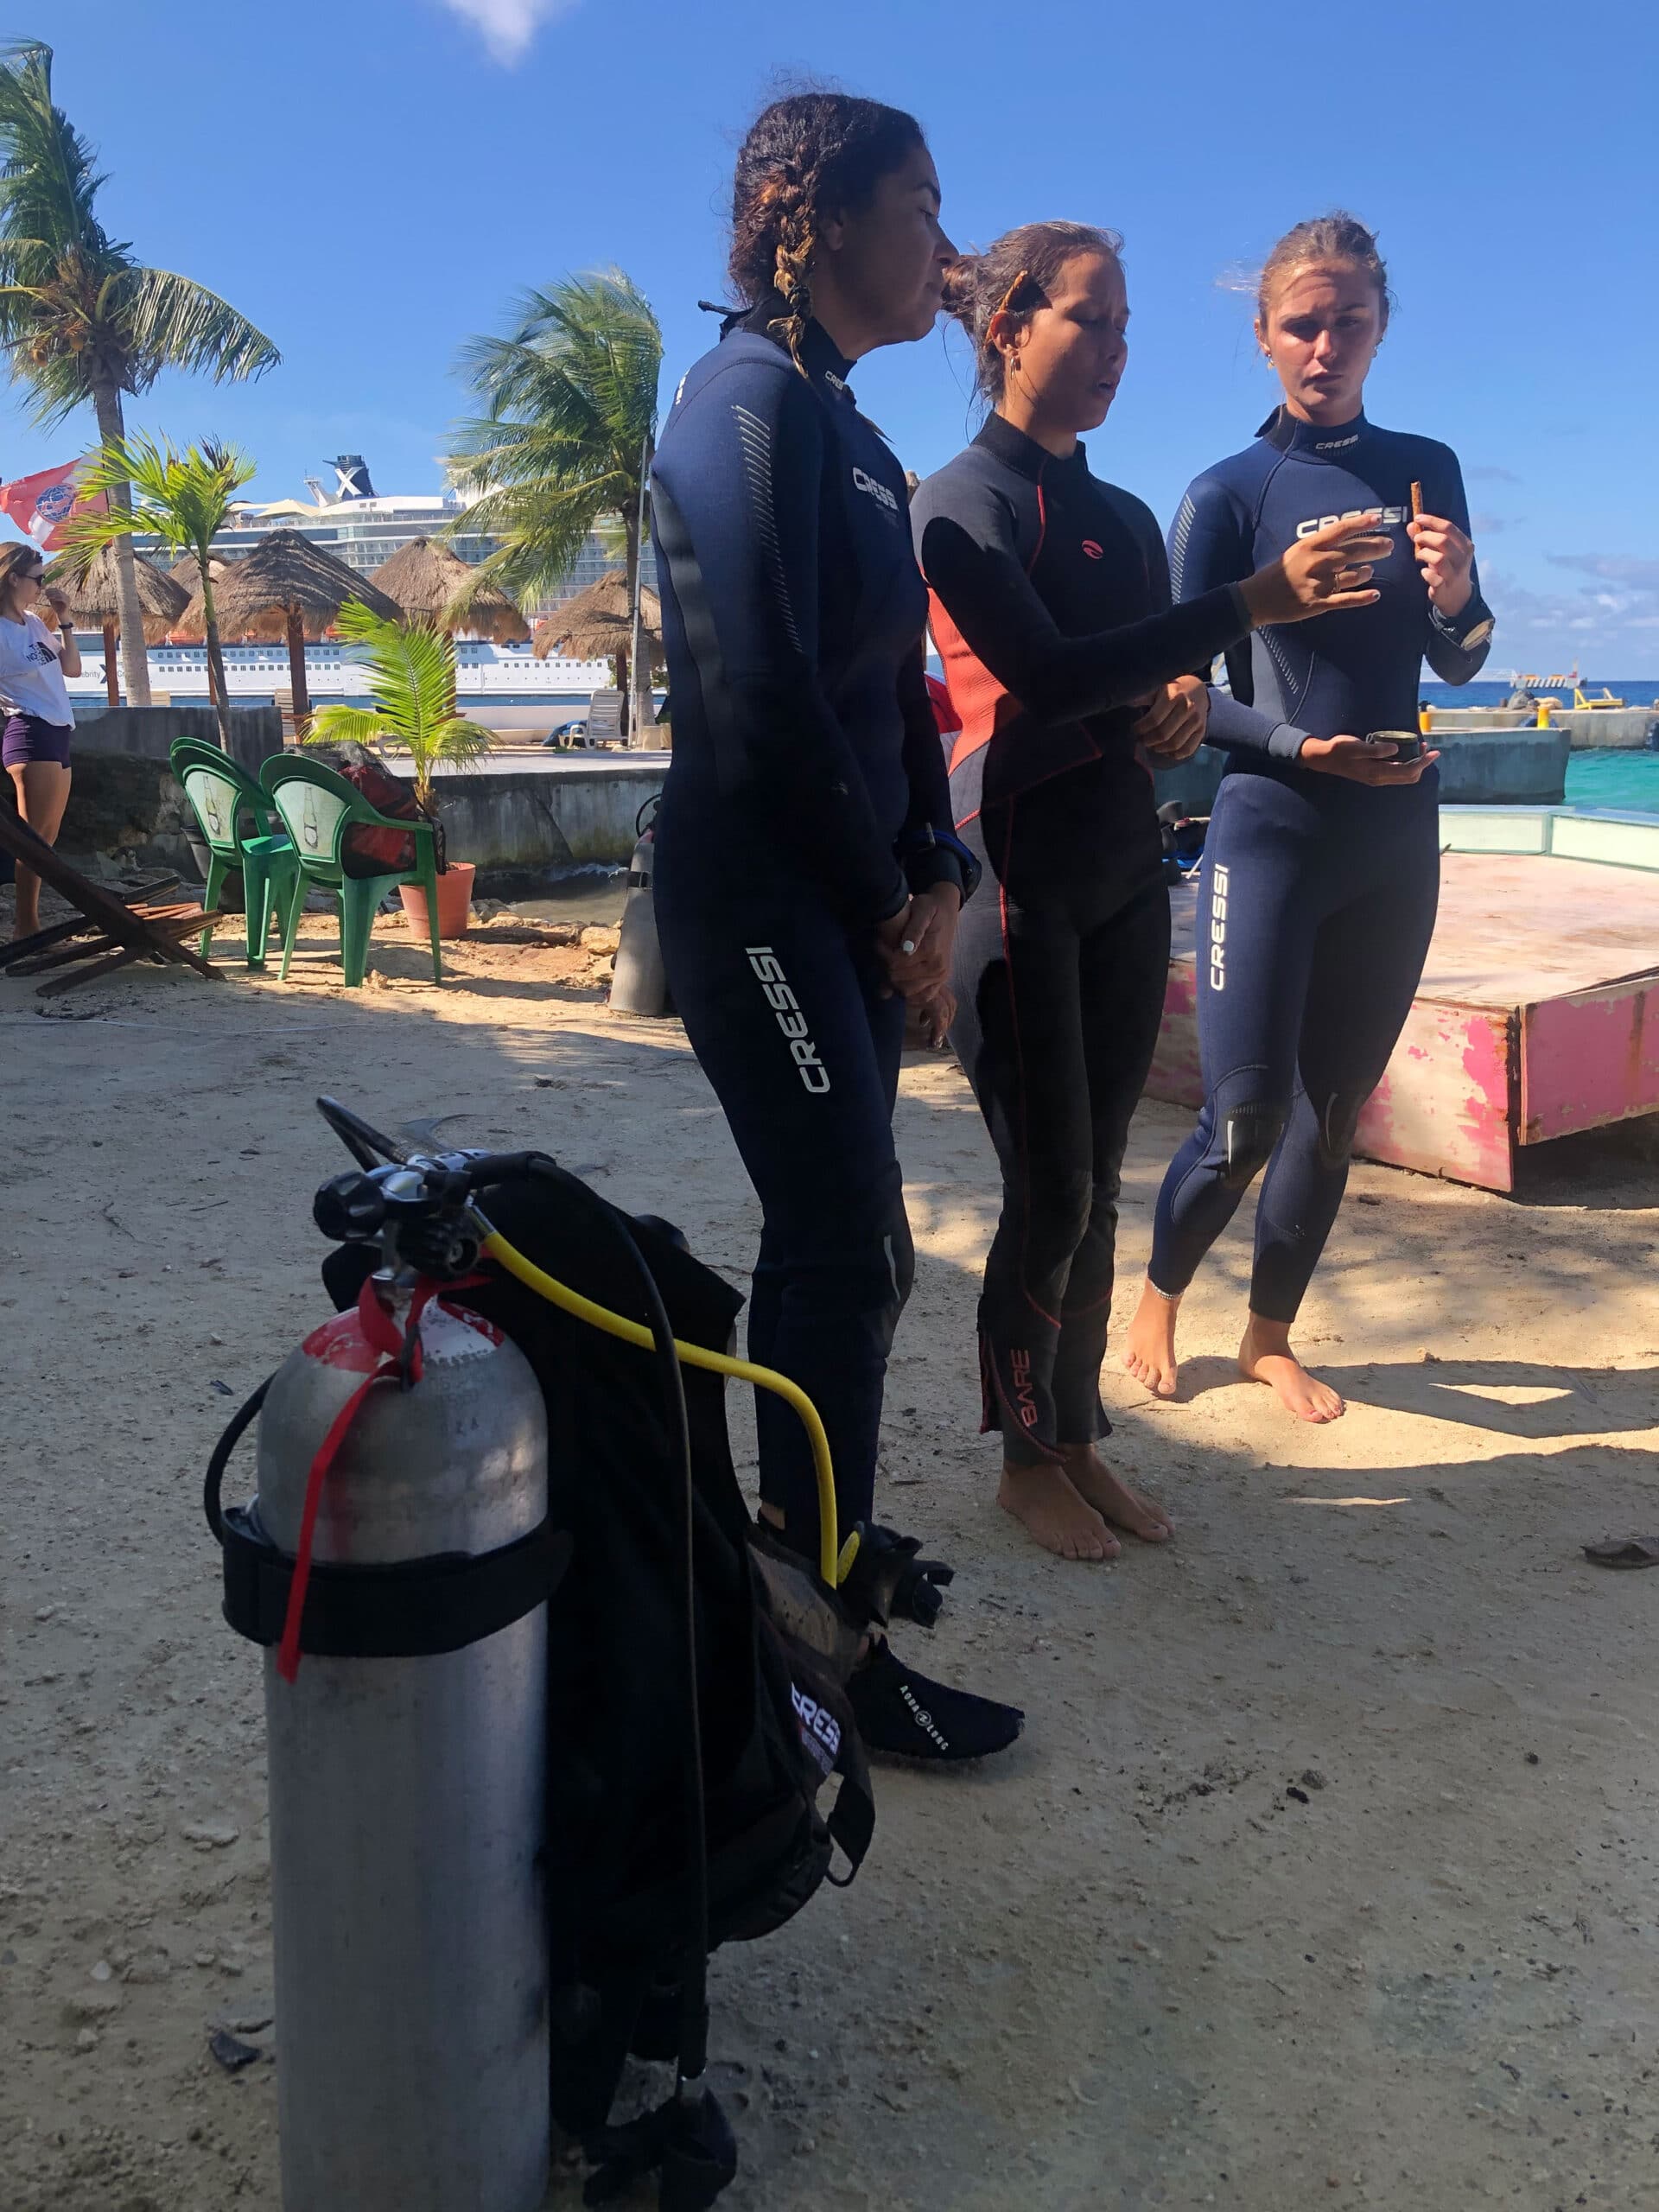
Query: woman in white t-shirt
39,721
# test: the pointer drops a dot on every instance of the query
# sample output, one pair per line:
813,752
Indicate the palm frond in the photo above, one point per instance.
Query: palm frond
184,499
346,726
570,400
412,677
79,314
172,323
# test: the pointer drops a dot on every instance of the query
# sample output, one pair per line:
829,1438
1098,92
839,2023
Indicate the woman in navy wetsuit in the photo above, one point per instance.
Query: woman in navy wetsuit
808,878
1051,607
1321,869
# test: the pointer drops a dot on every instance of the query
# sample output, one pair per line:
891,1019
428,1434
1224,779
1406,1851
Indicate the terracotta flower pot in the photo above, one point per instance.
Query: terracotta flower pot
455,901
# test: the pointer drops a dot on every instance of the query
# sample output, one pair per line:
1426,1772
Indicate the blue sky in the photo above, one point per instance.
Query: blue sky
373,181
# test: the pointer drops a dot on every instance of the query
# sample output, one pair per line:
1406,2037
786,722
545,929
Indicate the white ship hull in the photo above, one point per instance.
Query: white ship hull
256,674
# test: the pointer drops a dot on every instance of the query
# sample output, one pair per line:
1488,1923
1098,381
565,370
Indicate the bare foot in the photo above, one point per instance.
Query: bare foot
1094,1481
1149,1354
1266,1356
1043,1499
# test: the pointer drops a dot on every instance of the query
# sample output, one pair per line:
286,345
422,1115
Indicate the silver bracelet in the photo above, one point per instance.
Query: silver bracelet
1169,1297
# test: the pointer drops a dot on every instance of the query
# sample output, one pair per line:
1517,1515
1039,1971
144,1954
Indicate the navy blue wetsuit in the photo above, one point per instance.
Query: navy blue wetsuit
806,800
1317,899
1051,607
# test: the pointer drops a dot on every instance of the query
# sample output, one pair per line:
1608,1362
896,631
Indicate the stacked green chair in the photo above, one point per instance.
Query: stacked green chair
318,807
243,831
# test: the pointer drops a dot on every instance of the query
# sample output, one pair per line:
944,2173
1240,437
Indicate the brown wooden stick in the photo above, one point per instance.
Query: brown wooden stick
24,947
1416,502
39,963
107,967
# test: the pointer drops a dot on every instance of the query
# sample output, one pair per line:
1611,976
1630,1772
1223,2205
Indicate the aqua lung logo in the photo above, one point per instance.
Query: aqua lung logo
1385,516
1024,1397
819,1731
1218,930
791,1019
923,1719
878,491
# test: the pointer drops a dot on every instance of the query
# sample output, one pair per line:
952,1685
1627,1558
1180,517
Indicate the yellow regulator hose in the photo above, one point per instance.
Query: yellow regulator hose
832,1564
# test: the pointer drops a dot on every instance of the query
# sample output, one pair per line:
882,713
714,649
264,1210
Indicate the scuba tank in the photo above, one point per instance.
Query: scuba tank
490,1814
406,1724
640,985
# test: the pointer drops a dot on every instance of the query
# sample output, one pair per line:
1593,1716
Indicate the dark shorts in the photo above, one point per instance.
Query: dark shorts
28,739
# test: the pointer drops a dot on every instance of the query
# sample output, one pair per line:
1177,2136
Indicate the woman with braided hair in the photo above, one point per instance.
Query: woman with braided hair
808,878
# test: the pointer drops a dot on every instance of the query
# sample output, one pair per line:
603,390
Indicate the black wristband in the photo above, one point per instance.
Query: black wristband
1472,626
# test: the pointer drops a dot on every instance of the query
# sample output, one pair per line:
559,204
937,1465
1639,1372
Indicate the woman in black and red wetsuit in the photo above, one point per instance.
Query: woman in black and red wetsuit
1051,611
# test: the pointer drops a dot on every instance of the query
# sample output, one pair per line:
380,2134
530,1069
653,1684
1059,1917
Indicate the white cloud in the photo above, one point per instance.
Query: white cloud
508,26
1609,625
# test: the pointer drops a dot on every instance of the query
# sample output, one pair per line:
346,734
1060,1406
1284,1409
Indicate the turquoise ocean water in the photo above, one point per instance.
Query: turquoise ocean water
1627,780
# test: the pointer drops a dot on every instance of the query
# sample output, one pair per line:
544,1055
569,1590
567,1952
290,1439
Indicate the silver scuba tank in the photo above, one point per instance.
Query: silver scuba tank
639,983
407,1811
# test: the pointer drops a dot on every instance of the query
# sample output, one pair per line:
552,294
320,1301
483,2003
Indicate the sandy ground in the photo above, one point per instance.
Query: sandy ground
1323,1874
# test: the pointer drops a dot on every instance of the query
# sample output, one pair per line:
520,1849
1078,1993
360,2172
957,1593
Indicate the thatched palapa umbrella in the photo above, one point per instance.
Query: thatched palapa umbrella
427,581
286,587
94,601
598,625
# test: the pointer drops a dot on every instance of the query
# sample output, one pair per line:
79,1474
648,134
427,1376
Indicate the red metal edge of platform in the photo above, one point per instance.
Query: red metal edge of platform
1484,1068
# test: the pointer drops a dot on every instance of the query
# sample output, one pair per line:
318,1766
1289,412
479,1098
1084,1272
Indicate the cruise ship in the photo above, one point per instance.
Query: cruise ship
363,528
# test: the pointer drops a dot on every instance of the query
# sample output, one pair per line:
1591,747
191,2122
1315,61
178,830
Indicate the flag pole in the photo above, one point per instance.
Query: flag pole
639,576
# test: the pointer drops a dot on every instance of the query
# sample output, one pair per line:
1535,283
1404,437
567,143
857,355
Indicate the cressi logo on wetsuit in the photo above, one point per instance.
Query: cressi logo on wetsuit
1387,517
877,490
1218,929
787,1007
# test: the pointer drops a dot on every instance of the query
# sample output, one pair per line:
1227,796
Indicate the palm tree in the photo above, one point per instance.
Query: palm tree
564,446
412,682
184,499
82,321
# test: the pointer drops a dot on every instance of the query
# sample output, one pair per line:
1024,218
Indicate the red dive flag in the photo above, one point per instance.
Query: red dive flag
40,505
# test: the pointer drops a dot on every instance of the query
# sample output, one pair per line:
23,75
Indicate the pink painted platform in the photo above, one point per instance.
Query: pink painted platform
1538,1014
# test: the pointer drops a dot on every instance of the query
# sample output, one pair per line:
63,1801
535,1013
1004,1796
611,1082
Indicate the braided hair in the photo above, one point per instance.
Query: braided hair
807,156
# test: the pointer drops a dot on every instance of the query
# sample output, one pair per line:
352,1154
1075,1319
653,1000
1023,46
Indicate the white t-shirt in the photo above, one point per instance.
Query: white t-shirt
31,680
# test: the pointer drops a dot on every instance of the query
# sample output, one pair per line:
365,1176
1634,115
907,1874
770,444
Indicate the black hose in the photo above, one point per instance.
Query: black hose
227,1443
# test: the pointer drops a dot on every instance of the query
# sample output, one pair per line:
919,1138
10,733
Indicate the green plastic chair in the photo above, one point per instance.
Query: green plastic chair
318,807
225,800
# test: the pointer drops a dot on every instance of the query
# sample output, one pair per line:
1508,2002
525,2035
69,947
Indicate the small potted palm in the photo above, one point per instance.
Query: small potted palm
412,682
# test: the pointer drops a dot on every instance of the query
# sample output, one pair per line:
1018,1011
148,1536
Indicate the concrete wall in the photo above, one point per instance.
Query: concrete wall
531,822
145,733
1623,729
1506,767
125,804
1449,718
516,827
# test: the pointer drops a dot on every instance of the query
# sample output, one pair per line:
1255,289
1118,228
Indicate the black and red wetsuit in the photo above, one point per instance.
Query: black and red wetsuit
1051,612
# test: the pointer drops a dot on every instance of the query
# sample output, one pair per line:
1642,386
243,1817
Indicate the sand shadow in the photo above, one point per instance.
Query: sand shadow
1564,1400
1569,1401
